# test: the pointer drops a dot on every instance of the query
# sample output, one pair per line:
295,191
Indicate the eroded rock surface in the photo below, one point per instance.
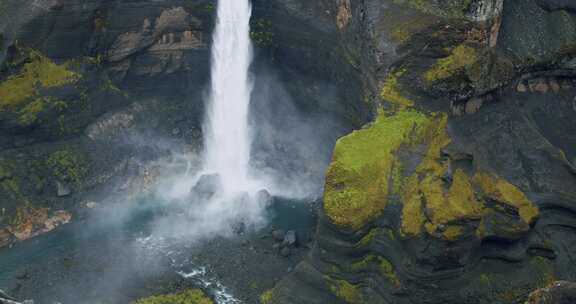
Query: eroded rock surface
461,190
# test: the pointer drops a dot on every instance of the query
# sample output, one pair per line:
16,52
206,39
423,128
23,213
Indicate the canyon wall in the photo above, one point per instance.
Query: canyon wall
462,190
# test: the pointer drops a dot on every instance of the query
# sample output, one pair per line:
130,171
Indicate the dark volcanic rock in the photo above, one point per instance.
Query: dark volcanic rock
561,292
557,4
206,187
290,239
417,240
278,235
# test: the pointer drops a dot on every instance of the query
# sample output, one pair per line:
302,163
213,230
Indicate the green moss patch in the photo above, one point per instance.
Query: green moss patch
68,165
344,290
504,192
359,178
460,58
38,72
440,208
190,296
449,206
384,267
366,173
391,90
267,297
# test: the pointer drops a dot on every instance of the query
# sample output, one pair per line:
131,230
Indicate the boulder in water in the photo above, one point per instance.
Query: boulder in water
290,239
62,189
264,198
278,235
285,252
206,187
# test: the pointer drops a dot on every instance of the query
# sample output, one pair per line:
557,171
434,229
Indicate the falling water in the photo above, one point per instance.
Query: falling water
228,139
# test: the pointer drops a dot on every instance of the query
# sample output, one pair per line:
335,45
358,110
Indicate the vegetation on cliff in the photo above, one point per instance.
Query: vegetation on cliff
345,291
362,171
391,90
366,172
39,72
21,92
453,9
460,58
190,296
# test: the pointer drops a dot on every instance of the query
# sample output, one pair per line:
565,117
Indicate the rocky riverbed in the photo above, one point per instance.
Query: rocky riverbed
116,261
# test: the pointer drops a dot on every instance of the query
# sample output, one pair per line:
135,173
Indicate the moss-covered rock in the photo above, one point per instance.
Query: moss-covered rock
346,291
267,297
380,264
364,166
37,73
68,165
459,59
391,90
190,296
445,8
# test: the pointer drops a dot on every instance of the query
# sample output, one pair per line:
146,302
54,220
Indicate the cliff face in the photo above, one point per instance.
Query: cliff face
78,81
92,91
462,189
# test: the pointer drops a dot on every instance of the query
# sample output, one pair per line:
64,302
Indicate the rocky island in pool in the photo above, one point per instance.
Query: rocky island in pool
288,151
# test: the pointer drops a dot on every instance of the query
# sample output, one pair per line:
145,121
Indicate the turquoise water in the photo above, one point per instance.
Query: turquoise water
103,259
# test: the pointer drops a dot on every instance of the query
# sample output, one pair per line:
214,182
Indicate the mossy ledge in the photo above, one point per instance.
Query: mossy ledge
346,291
460,58
190,296
391,90
364,167
38,72
366,173
267,297
456,9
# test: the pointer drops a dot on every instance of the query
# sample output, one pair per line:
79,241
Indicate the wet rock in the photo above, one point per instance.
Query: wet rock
521,88
565,84
540,86
278,235
285,252
264,198
239,228
35,222
206,187
560,292
344,14
6,299
3,295
58,218
62,189
277,247
473,105
554,85
5,238
90,205
503,227
289,239
113,124
552,5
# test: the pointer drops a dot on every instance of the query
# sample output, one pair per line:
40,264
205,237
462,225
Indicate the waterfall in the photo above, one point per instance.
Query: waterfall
226,129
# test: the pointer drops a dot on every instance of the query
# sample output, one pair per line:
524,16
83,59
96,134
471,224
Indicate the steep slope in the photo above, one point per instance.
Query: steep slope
92,92
462,189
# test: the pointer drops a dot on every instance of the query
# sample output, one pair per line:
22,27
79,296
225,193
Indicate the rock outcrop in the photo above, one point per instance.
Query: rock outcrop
561,292
461,190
